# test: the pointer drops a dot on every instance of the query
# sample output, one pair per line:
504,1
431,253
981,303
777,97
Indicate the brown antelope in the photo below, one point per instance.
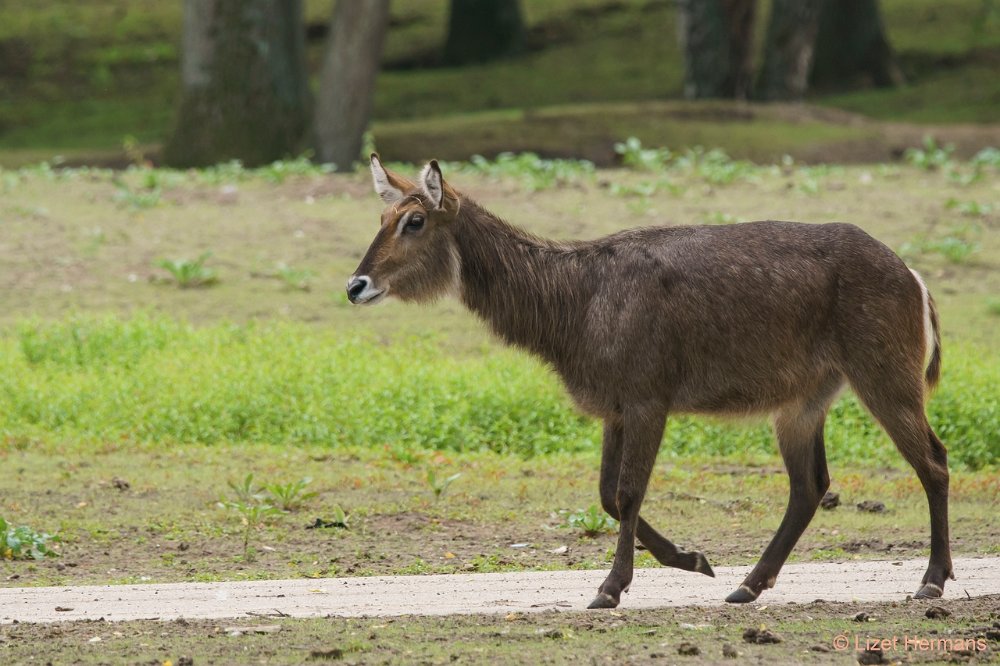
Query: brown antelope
757,318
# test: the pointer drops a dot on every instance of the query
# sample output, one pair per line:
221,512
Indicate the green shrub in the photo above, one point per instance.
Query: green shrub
21,543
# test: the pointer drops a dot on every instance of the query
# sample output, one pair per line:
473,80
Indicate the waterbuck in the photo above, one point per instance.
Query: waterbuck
757,318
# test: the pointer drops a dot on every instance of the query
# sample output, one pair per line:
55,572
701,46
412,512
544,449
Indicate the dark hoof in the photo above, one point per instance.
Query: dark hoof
702,566
929,591
603,600
742,595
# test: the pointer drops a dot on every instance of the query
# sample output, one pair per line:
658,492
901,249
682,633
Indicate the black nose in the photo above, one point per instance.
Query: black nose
356,286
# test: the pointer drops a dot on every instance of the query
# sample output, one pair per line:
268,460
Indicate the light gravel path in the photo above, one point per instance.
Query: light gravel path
477,593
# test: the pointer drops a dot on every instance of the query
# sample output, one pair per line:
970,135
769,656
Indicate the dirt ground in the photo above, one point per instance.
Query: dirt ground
965,631
502,514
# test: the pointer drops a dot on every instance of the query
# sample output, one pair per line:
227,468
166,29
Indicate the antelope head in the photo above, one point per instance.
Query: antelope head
414,256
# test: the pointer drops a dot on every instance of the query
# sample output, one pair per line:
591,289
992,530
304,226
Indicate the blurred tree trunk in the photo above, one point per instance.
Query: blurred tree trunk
244,91
718,43
788,49
347,80
852,44
480,30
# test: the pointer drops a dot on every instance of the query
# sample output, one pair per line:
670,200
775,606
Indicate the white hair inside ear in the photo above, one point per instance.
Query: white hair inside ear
431,183
383,187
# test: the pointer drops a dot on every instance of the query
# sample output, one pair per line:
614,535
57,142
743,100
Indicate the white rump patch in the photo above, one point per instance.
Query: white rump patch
430,181
928,326
386,191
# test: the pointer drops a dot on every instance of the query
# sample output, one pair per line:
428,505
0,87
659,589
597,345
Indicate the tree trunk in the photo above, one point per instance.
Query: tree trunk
244,92
852,45
788,49
718,43
347,80
481,30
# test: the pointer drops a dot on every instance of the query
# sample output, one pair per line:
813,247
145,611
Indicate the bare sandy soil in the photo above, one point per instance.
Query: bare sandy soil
519,592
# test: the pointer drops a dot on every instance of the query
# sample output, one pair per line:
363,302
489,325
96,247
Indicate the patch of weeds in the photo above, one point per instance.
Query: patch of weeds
957,246
592,522
930,156
290,496
713,166
252,508
634,156
136,199
968,208
439,485
534,172
487,563
646,188
245,491
22,543
189,273
277,172
993,306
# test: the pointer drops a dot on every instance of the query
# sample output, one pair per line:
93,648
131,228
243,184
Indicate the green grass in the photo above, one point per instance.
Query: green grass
154,380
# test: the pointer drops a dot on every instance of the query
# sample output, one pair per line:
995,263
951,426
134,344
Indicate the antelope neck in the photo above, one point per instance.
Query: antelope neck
517,283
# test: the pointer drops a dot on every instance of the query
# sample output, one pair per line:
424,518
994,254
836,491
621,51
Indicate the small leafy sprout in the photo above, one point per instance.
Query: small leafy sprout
438,486
245,492
931,156
969,208
993,306
290,496
252,508
634,156
189,273
957,246
22,543
252,516
592,522
339,517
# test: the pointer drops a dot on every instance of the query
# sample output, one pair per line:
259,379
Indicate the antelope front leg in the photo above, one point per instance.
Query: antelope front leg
642,430
660,547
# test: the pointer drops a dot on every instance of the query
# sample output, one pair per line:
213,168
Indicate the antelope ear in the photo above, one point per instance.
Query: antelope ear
389,186
433,184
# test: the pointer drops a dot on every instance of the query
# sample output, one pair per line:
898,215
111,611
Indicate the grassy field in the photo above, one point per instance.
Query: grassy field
131,406
78,79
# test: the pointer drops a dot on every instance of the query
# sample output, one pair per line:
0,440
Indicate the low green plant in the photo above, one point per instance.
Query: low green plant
136,199
289,496
592,522
440,485
993,306
252,506
534,172
22,543
253,517
634,156
190,273
245,491
930,156
956,246
969,208
339,517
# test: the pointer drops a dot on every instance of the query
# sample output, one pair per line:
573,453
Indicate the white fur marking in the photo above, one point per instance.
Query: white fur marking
386,191
430,180
928,327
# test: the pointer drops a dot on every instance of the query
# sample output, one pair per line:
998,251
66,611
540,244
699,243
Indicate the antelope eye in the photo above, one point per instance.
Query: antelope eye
415,223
